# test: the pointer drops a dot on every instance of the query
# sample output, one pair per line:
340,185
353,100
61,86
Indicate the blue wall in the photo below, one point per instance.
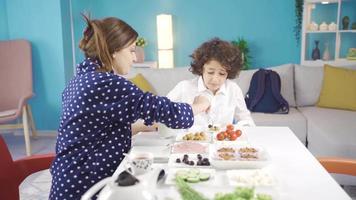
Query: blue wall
267,27
40,22
3,21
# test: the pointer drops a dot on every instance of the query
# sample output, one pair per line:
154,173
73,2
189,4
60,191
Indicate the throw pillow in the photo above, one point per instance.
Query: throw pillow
339,88
140,81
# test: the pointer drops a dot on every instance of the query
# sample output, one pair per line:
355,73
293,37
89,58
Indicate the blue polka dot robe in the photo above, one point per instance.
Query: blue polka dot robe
95,128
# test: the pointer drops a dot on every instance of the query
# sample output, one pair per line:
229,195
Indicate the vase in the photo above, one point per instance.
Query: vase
326,53
345,22
316,51
140,54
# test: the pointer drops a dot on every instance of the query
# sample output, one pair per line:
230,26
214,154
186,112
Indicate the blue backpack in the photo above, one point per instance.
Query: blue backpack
264,94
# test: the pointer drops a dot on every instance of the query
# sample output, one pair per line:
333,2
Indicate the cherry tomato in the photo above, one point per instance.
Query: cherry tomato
226,134
238,133
220,136
233,136
230,127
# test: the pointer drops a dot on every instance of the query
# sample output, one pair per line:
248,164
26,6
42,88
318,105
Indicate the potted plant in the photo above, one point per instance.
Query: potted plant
298,18
242,44
140,53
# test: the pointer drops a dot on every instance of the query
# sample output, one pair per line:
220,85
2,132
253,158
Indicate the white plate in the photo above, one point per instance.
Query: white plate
160,153
171,175
251,178
190,147
238,163
191,157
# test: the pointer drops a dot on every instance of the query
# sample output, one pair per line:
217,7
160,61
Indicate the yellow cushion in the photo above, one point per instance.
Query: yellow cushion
140,81
339,88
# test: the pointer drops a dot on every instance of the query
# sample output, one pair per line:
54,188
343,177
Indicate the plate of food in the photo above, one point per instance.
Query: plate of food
230,134
191,175
189,160
190,147
238,156
251,178
198,136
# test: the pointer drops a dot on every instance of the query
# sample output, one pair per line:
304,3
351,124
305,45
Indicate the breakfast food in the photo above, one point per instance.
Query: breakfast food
198,136
229,134
213,127
189,147
192,175
248,153
201,161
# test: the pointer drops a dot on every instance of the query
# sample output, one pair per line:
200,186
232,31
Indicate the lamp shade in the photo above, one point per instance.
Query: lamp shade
164,31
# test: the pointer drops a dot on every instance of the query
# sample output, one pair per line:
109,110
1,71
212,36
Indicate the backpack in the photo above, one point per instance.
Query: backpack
264,94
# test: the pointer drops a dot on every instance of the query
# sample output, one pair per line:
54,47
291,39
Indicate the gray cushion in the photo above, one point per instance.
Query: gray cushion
294,120
156,76
331,132
308,83
286,73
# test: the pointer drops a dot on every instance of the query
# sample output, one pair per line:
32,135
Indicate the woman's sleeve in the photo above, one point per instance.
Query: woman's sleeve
133,104
242,114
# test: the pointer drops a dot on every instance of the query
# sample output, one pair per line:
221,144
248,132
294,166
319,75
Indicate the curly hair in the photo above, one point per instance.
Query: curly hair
221,51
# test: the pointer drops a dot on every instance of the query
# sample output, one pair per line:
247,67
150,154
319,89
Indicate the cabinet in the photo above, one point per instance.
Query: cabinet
324,21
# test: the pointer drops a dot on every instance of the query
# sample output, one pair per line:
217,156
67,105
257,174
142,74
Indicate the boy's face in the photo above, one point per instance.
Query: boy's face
214,75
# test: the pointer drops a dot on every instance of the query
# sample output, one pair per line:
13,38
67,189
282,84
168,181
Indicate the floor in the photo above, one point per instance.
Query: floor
36,186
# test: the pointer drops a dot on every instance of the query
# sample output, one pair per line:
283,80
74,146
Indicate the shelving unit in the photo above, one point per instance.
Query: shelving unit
338,41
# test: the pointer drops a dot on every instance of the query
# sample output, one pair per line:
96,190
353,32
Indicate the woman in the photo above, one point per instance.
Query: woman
98,107
215,62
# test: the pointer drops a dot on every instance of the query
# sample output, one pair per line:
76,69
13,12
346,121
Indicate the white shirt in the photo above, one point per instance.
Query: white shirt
227,105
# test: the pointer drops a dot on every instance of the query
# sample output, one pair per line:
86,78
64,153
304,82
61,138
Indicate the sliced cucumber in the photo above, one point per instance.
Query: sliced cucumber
193,179
204,176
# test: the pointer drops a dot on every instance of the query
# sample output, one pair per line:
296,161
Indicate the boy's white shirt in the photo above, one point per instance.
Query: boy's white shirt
226,105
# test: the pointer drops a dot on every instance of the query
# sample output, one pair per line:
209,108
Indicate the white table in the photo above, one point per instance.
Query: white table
299,174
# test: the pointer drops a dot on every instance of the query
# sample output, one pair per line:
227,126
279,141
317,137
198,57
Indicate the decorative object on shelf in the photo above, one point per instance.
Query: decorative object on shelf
326,54
345,22
242,44
323,27
351,55
140,52
299,18
316,51
313,26
332,26
353,26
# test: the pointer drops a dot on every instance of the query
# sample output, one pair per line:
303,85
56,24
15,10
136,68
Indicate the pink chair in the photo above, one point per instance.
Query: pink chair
16,87
12,173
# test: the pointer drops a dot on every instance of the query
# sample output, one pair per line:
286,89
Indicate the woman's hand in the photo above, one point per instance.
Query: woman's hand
200,104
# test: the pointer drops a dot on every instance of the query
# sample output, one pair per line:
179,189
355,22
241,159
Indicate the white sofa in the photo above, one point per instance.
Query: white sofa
326,132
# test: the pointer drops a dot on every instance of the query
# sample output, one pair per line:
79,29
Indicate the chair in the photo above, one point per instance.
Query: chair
339,165
12,173
16,87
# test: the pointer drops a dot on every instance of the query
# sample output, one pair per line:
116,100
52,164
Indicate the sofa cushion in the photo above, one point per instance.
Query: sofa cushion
286,73
163,80
294,120
308,83
140,81
339,88
331,132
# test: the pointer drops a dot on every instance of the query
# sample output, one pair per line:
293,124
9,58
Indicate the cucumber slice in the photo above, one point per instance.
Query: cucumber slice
193,179
204,176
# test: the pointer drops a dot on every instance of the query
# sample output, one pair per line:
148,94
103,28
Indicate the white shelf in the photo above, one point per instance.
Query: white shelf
347,31
335,40
320,32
